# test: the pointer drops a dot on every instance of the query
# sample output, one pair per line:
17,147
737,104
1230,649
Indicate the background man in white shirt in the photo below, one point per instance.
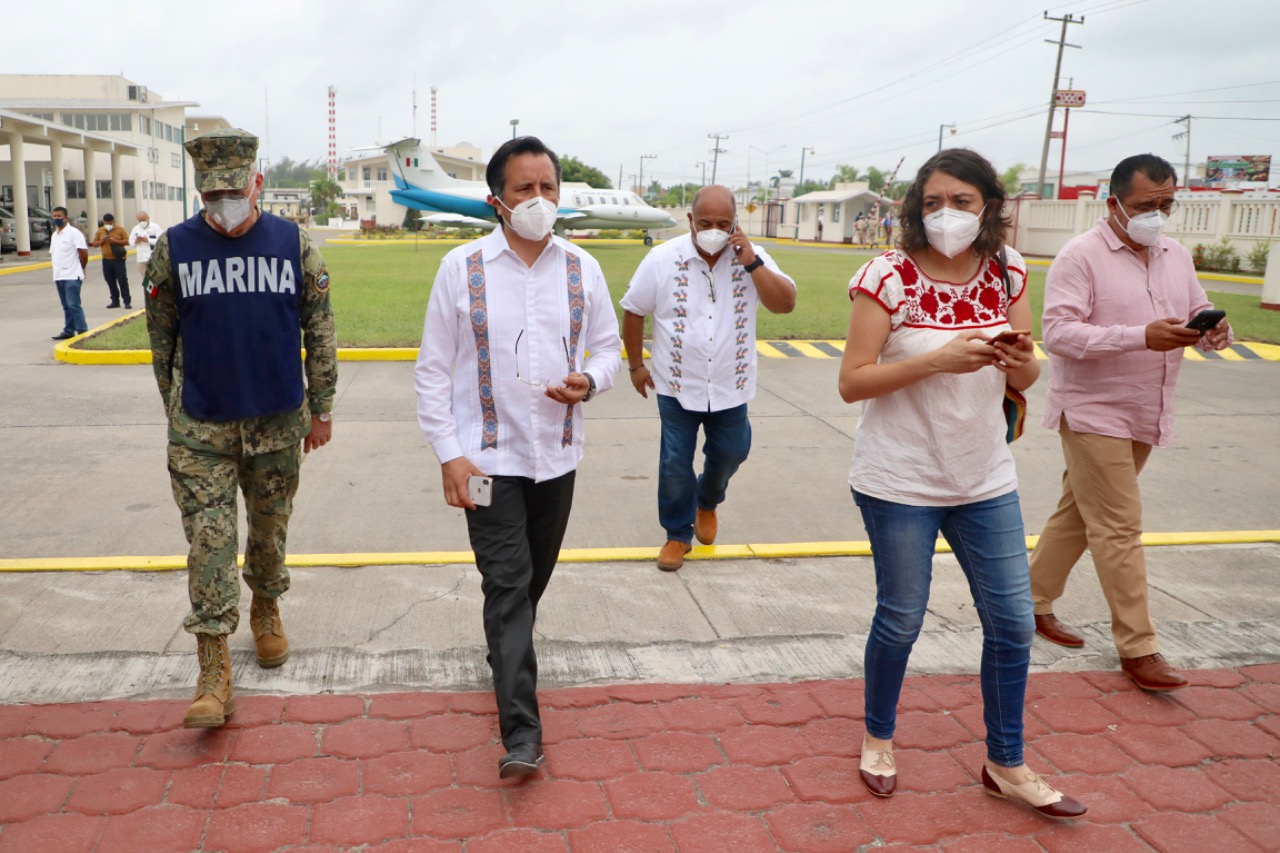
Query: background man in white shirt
702,290
70,255
143,237
501,378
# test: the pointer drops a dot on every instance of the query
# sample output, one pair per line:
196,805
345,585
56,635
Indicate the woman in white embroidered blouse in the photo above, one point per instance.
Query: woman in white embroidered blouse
931,456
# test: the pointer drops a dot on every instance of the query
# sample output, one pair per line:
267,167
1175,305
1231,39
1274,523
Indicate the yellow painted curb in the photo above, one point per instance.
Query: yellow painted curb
44,265
783,550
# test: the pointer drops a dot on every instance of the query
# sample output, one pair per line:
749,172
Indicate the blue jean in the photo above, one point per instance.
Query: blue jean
680,491
988,540
72,314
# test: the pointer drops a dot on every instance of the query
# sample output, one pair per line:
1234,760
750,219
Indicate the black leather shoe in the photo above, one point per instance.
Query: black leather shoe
114,305
128,306
64,336
523,759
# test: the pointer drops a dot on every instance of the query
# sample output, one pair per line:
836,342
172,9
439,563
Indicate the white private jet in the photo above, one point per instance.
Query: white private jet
422,185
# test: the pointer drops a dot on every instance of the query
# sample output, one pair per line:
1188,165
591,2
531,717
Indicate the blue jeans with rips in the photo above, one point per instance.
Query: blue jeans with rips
988,540
680,490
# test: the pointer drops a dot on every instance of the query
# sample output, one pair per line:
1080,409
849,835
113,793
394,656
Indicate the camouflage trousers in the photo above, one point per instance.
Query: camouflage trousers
204,487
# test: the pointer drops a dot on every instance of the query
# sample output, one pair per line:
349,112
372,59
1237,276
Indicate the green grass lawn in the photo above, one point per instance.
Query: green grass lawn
380,295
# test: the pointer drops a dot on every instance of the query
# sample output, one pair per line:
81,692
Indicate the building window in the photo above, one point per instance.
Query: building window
366,172
146,189
102,189
835,212
172,195
144,124
75,189
382,173
127,187
176,160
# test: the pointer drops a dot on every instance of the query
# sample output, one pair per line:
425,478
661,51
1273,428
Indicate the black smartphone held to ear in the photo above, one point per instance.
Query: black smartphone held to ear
1206,320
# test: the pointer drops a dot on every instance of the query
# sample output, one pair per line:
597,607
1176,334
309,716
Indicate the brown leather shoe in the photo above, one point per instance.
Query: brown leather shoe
1152,672
705,526
1035,792
671,557
1051,629
878,770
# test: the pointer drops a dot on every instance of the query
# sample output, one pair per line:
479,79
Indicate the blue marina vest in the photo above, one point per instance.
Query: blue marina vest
238,313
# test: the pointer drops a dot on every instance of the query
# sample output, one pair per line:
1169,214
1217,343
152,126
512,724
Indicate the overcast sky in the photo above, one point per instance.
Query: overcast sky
861,83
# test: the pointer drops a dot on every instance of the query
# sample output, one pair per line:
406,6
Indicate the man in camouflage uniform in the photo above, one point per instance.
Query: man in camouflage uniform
232,294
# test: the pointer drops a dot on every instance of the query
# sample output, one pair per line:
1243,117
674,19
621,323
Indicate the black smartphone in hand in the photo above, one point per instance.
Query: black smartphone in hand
1206,320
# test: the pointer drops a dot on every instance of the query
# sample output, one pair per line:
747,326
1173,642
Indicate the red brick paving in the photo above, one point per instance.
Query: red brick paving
647,768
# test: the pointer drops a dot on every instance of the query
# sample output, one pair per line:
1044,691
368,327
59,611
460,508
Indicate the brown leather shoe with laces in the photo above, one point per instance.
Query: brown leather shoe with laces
1152,672
1048,626
1035,792
671,557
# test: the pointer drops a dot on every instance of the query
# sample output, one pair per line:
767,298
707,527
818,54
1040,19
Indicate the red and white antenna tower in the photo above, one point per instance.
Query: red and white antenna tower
433,116
333,133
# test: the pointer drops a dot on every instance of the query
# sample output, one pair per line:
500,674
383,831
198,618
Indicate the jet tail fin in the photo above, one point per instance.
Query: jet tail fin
414,163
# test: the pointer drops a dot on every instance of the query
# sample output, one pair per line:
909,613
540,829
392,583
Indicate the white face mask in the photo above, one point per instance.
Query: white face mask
108,226
532,219
229,212
1145,228
712,240
952,231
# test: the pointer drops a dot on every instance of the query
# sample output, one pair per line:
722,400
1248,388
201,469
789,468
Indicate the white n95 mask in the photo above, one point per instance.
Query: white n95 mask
229,212
532,219
712,240
1145,228
952,231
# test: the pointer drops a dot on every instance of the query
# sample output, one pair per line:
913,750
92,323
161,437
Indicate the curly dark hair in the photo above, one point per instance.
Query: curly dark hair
972,168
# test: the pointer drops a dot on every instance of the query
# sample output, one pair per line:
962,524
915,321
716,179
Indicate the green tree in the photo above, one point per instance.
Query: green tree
288,173
324,194
844,175
573,169
875,179
1012,178
677,196
897,190
812,187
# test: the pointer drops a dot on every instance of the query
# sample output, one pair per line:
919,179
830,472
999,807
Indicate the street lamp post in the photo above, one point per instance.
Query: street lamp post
766,168
514,123
703,164
942,127
804,150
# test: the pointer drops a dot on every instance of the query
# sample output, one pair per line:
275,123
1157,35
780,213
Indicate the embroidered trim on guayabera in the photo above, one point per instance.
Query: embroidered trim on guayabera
484,368
573,269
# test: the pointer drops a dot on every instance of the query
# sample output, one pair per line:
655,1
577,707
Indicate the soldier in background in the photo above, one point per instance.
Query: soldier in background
227,318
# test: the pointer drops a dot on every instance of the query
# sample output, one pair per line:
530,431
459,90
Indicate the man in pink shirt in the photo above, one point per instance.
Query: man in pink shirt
1116,306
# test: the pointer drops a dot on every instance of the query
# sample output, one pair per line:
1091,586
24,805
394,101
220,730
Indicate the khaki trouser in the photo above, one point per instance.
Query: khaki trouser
1101,509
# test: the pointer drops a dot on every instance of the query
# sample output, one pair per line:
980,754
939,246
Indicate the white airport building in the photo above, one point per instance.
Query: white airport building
94,144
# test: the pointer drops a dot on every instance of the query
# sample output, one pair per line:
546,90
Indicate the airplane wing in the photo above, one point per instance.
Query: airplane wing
457,221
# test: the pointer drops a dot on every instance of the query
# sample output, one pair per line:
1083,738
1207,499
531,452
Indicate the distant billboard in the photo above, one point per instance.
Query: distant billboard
1219,171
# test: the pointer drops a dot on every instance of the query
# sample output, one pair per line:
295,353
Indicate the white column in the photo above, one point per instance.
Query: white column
1271,281
19,162
59,173
90,190
117,190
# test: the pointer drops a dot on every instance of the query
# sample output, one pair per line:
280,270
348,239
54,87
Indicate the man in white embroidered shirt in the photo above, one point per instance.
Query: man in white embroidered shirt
703,290
520,332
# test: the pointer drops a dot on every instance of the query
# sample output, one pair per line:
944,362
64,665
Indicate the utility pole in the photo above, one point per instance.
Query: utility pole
1186,162
803,151
644,157
703,164
619,176
717,151
1053,93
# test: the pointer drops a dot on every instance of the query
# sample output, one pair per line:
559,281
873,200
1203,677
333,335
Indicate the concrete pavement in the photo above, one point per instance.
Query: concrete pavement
81,455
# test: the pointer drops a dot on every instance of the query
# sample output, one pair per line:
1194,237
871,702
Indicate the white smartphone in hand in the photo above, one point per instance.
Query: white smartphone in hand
480,490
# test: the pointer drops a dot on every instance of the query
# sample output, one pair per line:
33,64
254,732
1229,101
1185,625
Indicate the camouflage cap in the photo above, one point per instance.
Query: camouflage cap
224,159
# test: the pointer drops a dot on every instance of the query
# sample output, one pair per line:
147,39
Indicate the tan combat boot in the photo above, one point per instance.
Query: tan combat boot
215,700
268,632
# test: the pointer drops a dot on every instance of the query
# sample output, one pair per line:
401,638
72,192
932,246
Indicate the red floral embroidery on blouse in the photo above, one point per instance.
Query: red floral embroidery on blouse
982,302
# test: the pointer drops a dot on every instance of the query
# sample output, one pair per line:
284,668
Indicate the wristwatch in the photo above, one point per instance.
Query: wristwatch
591,387
324,417
754,265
